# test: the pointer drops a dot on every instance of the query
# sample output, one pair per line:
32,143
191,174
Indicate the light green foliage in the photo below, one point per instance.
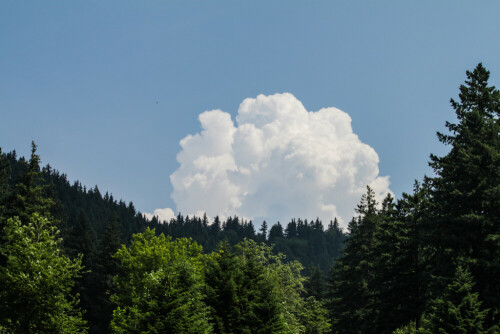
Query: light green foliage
241,297
286,281
159,288
300,315
36,280
313,317
408,329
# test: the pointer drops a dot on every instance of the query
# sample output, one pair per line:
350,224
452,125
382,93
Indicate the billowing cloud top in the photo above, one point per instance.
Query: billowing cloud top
163,215
278,162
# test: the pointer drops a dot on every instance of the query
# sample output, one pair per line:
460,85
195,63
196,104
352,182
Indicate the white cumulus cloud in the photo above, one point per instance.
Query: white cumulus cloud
277,162
161,214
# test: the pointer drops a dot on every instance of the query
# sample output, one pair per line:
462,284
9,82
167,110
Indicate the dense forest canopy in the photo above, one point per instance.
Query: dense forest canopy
74,260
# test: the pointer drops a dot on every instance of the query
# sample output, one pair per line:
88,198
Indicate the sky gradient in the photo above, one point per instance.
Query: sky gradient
108,89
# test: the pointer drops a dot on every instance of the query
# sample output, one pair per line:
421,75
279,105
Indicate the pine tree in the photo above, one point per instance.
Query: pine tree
5,172
314,317
28,195
466,190
221,275
81,240
80,243
291,229
276,232
458,310
396,285
159,288
35,277
263,231
36,280
105,268
351,300
239,292
315,284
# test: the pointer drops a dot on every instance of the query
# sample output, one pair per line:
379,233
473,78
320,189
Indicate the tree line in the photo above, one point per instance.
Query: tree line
83,231
74,261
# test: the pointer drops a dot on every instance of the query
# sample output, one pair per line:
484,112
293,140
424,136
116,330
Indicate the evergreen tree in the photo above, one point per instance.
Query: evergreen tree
35,277
101,278
315,283
291,229
36,280
80,244
351,300
239,294
300,315
395,285
335,238
458,310
28,195
466,196
263,231
221,275
276,232
314,317
284,278
5,173
159,289
81,240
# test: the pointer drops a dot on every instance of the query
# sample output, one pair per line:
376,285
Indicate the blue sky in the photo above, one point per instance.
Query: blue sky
107,89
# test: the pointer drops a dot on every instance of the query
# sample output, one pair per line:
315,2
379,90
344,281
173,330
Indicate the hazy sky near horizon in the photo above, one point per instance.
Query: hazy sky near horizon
112,92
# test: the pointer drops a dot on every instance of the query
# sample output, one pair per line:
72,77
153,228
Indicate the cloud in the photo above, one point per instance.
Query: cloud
161,214
277,162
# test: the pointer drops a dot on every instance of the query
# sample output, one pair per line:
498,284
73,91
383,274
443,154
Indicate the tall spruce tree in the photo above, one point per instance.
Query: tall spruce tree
263,231
351,300
315,283
105,267
159,288
4,182
5,173
458,310
29,193
466,190
396,284
36,278
240,294
406,268
80,243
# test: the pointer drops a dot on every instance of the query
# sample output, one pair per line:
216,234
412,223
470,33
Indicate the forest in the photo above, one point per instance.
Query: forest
74,260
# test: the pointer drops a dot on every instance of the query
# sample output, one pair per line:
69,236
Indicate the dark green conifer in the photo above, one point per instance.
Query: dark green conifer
263,231
5,172
105,268
276,232
291,229
466,195
351,300
240,296
458,310
28,195
315,283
